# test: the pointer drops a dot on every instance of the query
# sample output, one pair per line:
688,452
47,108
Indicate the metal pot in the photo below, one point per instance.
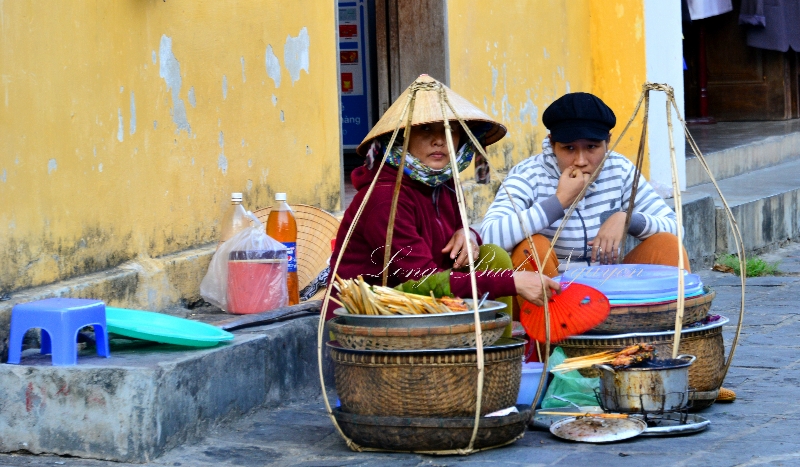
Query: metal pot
661,386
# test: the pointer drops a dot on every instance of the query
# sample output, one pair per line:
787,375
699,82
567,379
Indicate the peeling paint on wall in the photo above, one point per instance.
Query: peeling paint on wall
273,68
154,57
224,87
51,166
274,100
494,82
244,78
222,162
100,167
120,125
3,176
249,185
170,70
133,114
282,119
295,54
639,28
529,110
192,98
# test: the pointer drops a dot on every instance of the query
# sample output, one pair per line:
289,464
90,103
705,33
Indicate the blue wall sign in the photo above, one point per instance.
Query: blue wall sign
354,85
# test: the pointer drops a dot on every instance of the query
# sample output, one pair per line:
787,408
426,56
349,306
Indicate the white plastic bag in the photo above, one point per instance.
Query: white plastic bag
247,274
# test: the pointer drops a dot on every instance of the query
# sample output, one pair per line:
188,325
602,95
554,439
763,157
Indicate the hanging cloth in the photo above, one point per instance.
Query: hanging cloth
773,25
700,9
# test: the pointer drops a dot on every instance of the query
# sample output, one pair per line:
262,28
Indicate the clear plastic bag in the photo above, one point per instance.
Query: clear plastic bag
247,274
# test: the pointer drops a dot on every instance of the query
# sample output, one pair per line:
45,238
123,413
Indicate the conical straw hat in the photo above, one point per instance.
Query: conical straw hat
427,109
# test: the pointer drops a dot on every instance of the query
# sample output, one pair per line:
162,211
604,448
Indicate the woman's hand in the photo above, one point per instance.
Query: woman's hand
529,286
457,250
570,185
606,245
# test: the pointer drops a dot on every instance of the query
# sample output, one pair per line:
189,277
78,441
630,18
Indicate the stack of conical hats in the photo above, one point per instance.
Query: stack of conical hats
427,109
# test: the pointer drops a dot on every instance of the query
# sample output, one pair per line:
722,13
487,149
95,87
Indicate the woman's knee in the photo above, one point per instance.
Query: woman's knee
493,257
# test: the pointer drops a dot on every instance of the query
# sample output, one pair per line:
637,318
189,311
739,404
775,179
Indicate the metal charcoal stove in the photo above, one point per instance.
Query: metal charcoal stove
657,391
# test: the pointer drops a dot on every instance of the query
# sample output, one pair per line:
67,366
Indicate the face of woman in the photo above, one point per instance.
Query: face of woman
428,143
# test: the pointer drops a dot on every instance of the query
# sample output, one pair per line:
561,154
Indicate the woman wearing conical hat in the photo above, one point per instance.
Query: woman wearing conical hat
428,244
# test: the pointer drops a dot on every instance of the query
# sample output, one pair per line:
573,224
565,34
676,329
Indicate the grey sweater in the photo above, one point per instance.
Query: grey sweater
532,184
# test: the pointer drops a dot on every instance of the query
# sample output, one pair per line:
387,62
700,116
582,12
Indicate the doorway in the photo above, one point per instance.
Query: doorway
401,40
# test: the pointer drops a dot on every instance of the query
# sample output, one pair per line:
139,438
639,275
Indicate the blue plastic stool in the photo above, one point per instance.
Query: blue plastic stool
60,319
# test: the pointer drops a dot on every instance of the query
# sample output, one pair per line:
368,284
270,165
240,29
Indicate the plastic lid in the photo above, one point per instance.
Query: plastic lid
236,197
280,196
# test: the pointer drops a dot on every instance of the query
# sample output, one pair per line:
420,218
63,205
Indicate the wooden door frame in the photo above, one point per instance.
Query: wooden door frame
399,26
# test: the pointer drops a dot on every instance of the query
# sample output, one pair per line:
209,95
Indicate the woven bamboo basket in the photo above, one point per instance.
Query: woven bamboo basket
706,344
414,338
315,230
431,434
653,318
426,383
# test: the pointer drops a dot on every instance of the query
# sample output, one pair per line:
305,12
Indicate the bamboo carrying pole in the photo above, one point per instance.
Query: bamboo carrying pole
672,104
443,100
415,87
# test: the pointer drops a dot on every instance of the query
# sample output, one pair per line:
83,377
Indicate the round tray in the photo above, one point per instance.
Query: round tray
431,434
654,318
634,335
166,329
422,321
432,337
667,424
639,281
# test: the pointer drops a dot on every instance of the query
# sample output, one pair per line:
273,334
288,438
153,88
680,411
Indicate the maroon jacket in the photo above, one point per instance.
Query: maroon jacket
426,219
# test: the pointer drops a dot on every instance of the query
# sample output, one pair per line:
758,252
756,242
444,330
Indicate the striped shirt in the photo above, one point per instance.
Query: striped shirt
532,185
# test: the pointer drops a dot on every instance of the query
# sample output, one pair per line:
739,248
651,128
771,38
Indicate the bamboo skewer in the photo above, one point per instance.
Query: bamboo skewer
587,414
637,352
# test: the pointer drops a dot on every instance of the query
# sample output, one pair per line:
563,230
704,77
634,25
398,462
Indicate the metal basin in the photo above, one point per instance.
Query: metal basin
658,387
486,312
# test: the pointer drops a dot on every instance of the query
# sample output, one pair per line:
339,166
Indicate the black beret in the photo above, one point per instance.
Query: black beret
578,115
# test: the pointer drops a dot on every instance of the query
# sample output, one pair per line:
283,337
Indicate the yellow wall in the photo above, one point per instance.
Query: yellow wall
513,58
619,66
82,188
126,124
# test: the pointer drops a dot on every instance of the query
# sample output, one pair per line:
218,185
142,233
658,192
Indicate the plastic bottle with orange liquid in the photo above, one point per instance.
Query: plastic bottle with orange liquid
282,226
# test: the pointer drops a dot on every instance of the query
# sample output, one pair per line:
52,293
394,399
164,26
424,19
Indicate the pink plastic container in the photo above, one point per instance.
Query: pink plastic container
256,281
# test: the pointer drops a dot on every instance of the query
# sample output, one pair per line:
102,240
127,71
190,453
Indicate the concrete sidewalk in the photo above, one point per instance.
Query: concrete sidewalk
758,429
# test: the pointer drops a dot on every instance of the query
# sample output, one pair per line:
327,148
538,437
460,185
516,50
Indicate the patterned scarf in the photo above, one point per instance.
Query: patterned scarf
416,169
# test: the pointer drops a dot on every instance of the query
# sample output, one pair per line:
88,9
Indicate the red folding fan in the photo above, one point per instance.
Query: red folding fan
577,309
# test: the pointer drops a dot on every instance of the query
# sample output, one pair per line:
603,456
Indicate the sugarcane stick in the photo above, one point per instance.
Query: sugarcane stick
360,298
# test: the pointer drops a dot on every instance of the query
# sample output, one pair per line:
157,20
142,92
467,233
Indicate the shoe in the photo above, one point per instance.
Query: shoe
726,395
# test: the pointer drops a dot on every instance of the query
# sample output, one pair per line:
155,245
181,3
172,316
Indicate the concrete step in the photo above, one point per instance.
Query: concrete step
147,399
736,148
765,204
